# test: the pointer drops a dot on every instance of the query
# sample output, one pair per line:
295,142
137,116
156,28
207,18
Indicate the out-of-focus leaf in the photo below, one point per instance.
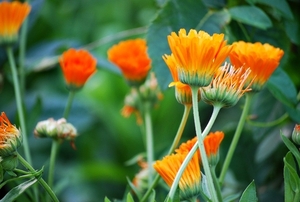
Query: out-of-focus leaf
18,190
106,200
214,21
129,198
251,15
291,179
291,147
292,30
104,63
134,188
232,197
294,113
214,3
282,88
249,194
280,5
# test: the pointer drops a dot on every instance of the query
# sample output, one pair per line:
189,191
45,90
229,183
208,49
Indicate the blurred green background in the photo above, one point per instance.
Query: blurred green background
106,139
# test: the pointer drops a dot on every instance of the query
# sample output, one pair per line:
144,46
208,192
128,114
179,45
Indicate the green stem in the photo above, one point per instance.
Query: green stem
69,104
54,151
205,163
40,180
271,123
236,136
216,182
19,103
187,109
149,140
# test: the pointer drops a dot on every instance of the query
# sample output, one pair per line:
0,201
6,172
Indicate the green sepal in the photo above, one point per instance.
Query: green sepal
290,145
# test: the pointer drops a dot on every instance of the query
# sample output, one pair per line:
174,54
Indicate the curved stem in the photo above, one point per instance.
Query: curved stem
271,123
236,136
187,109
19,103
149,140
40,180
187,159
54,151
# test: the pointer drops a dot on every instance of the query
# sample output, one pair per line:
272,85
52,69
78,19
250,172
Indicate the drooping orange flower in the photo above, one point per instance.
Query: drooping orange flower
227,86
190,181
12,15
183,92
10,136
77,67
212,142
198,55
132,59
262,59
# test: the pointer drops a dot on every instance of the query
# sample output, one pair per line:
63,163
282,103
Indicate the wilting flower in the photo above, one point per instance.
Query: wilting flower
77,67
132,59
212,143
10,137
140,180
131,106
198,55
262,59
190,181
12,15
58,130
227,86
183,92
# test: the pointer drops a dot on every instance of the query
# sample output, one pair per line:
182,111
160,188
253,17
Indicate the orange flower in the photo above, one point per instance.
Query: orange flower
190,181
212,143
183,92
132,59
227,86
187,146
262,59
77,67
10,137
12,15
198,55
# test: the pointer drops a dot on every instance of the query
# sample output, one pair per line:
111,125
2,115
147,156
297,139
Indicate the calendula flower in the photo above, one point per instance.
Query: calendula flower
296,134
212,143
12,15
132,59
187,146
77,67
190,181
262,59
10,137
183,92
227,86
198,55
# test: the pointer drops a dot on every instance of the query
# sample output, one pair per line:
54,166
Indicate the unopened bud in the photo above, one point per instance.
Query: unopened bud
296,134
9,163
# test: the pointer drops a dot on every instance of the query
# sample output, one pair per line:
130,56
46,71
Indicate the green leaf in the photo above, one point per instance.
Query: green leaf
106,199
129,198
288,191
292,177
282,88
232,197
135,190
214,21
214,3
18,190
280,5
174,15
249,194
251,15
291,147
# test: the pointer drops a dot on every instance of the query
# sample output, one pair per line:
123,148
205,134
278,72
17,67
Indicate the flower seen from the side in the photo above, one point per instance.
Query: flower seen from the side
12,16
77,66
190,182
262,59
227,86
197,55
296,134
183,92
132,59
212,143
10,137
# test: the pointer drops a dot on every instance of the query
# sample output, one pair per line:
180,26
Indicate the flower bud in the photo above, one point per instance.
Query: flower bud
296,134
9,163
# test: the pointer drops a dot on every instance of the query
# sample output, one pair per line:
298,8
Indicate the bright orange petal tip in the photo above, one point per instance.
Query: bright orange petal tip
12,15
197,55
77,67
262,59
212,143
132,59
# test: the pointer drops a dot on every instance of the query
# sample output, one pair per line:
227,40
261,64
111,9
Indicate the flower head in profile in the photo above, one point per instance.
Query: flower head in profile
183,92
12,15
227,86
212,143
10,137
132,59
197,55
190,182
77,67
262,59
